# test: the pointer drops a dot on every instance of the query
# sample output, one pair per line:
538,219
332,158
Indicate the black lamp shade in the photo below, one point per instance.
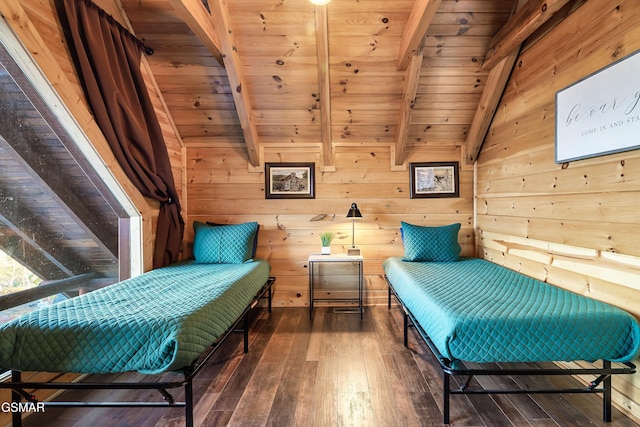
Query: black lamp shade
354,212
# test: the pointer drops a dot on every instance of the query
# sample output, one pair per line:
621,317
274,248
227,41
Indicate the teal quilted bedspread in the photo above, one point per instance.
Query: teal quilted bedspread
477,311
160,321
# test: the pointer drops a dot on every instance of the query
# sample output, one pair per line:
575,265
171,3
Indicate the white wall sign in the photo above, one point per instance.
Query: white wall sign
601,113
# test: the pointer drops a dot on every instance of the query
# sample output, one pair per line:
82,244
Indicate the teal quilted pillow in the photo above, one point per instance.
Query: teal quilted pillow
433,244
228,244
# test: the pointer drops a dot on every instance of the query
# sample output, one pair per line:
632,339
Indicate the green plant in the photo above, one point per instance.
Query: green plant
326,238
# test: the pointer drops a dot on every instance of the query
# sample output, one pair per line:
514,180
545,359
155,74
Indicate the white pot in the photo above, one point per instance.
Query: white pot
326,250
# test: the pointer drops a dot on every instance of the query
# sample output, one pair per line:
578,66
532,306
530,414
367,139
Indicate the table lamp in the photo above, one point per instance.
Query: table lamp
353,213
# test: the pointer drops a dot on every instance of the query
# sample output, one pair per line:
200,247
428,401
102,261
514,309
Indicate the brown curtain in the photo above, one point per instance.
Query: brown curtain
108,58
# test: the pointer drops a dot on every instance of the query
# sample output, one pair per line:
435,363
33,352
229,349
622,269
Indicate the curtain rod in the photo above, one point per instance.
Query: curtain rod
102,12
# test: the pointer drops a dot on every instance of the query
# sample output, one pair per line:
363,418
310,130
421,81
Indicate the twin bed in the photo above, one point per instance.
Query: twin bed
171,319
472,310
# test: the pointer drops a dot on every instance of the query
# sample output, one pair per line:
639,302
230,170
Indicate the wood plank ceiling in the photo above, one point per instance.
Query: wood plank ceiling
406,73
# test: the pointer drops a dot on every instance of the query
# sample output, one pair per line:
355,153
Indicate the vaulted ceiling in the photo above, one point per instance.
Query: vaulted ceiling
406,73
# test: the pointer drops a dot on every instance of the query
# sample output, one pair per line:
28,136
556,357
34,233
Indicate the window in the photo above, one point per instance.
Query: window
62,214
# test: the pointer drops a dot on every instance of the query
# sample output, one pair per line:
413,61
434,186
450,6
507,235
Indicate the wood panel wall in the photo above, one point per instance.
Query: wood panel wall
573,225
221,188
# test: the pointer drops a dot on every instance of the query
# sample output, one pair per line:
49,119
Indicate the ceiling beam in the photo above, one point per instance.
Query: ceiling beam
494,87
421,16
220,16
552,22
412,75
491,95
324,84
198,19
525,22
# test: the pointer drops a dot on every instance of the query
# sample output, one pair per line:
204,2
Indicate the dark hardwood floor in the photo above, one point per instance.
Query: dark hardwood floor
332,370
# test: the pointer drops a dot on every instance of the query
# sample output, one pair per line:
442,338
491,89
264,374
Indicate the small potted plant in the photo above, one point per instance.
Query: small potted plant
326,239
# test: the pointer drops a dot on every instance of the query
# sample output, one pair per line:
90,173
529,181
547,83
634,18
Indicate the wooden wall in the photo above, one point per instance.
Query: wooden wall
573,225
221,188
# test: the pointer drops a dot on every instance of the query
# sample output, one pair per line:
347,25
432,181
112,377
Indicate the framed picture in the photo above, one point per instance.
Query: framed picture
600,114
434,179
289,180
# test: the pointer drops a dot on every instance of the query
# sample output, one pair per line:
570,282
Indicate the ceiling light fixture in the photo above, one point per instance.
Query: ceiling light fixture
320,2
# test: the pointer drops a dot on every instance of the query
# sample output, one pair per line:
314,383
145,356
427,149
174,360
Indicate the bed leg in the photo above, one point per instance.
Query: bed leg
445,398
245,333
405,327
606,396
188,399
269,298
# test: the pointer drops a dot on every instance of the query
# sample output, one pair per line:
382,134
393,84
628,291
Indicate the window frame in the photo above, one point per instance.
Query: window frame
130,233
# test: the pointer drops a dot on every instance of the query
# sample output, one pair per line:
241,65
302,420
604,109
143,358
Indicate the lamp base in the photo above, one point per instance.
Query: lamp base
353,251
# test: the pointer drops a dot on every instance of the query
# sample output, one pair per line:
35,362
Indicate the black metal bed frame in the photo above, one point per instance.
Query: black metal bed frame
456,368
19,387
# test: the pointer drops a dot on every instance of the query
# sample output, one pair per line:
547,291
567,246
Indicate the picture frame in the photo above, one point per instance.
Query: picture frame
289,180
434,179
599,114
